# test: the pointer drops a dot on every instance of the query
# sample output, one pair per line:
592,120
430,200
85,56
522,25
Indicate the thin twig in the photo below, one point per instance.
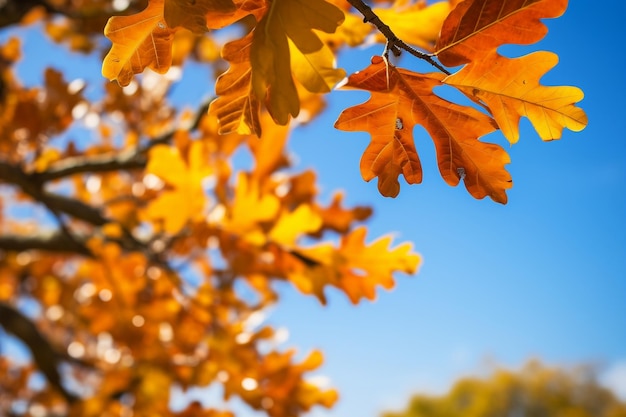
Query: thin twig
394,44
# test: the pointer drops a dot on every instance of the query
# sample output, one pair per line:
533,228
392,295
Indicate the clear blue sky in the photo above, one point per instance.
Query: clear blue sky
543,276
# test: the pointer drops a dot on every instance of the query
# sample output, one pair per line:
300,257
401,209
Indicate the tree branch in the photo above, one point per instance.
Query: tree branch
54,242
31,186
124,160
45,356
394,44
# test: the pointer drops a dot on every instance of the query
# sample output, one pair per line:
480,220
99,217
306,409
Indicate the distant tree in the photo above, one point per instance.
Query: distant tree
534,391
136,253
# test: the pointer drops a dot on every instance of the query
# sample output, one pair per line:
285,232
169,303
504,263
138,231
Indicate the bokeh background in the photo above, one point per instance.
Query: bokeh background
541,277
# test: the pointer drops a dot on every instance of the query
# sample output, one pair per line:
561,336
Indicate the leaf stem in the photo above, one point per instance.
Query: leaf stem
394,44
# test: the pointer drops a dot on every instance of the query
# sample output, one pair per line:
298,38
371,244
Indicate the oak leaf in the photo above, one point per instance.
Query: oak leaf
549,109
140,41
476,27
355,267
400,99
292,21
237,107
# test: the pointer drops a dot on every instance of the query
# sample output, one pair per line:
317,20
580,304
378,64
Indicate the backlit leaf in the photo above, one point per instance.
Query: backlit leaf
237,107
476,27
549,109
355,267
140,41
400,99
289,20
314,70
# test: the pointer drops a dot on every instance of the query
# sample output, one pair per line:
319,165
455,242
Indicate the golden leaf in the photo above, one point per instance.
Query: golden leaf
186,200
140,41
355,267
237,107
289,20
549,109
291,225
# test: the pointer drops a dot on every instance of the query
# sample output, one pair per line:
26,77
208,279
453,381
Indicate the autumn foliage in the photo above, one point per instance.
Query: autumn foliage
534,390
136,255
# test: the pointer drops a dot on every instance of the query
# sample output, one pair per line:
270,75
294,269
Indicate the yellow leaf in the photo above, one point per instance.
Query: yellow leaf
46,158
292,225
315,70
549,109
166,163
186,200
140,41
250,208
355,267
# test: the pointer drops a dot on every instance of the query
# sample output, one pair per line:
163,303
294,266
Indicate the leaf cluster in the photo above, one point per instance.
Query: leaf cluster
139,259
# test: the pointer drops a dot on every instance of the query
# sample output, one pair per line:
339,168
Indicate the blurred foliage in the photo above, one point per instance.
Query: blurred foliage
534,391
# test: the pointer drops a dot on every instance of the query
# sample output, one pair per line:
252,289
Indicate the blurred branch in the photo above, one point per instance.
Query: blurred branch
13,11
45,356
123,160
54,242
31,186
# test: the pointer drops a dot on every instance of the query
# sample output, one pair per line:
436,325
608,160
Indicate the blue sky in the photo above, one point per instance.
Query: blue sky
543,276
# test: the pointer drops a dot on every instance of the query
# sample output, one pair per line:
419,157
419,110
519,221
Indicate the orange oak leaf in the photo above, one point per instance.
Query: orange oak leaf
476,27
140,41
237,107
192,14
549,109
400,100
340,219
292,21
355,267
